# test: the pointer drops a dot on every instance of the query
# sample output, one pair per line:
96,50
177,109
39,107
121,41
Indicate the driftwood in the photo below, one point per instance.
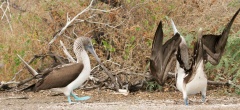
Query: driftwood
116,82
23,97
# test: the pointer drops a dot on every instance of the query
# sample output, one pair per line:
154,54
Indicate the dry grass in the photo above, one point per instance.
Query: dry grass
127,44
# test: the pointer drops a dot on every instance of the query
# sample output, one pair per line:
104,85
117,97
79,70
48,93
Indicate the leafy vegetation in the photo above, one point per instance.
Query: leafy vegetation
153,86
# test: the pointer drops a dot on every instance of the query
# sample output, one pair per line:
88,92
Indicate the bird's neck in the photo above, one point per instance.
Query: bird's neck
82,57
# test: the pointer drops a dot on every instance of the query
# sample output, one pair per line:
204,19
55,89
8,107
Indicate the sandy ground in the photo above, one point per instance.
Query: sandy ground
107,100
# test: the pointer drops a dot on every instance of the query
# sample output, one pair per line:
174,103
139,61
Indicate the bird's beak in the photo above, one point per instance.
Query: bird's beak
92,51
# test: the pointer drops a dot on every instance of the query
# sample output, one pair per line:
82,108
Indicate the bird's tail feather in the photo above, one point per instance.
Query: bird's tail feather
30,69
61,90
29,88
174,27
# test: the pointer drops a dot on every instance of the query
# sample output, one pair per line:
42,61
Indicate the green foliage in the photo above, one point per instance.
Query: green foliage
237,91
1,47
233,3
171,7
129,47
137,28
16,59
152,86
189,39
149,43
108,46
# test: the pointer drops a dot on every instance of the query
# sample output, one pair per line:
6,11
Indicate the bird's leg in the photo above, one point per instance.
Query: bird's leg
203,98
69,100
204,95
80,98
185,98
186,101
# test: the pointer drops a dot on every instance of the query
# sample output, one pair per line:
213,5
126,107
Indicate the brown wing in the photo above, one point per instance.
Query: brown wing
59,77
169,48
156,55
214,44
162,54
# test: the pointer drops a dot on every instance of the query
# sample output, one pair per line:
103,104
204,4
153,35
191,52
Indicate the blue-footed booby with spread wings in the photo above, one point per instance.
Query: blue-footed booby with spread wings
69,77
208,48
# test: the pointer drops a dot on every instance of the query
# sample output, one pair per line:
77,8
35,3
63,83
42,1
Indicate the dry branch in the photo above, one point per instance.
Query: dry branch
217,83
114,79
69,57
29,62
7,9
33,71
23,97
26,81
70,21
231,83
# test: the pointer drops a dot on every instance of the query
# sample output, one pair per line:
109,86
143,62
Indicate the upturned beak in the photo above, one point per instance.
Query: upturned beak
92,51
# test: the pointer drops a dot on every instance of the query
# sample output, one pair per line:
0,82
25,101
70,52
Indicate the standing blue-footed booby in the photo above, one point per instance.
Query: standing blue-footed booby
192,79
162,55
67,78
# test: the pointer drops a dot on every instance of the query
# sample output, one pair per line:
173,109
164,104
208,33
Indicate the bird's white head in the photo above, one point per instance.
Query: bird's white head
84,44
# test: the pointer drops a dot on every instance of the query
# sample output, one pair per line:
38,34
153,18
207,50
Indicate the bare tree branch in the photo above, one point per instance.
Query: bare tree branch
7,9
69,57
69,22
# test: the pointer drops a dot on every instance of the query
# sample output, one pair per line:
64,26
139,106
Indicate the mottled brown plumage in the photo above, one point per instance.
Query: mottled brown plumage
59,77
162,55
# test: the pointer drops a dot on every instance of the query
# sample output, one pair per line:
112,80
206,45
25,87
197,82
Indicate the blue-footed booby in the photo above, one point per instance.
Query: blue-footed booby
192,80
162,55
208,48
69,77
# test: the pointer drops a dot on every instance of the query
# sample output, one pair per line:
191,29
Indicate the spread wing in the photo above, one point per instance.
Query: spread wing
156,54
162,54
59,77
214,44
169,48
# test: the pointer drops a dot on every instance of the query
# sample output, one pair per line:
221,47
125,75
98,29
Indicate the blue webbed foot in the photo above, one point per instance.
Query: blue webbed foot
80,98
69,100
203,98
186,101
